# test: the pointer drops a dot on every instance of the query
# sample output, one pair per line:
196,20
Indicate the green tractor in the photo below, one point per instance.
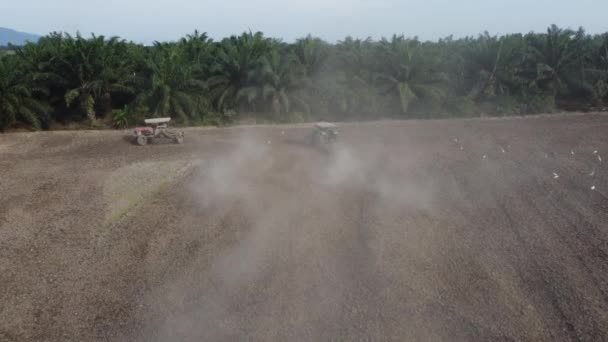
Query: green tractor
324,133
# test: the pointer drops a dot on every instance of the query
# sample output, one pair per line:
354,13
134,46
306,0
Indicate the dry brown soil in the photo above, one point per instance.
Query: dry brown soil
402,231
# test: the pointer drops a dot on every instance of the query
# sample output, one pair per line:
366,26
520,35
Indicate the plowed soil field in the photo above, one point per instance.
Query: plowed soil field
448,230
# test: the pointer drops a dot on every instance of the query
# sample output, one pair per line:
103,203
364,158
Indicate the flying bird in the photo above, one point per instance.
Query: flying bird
555,175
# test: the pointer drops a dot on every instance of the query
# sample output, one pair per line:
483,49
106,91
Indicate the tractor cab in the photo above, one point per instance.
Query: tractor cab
324,133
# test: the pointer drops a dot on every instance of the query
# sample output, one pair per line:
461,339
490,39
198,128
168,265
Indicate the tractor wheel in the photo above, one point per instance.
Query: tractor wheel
141,140
315,139
322,139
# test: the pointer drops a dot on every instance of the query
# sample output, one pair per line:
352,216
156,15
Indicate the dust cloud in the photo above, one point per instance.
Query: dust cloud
384,177
284,216
233,176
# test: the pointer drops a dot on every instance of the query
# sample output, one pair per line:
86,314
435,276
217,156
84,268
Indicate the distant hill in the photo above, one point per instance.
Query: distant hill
16,38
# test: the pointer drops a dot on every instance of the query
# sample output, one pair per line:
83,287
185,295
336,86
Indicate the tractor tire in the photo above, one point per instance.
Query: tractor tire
315,139
141,140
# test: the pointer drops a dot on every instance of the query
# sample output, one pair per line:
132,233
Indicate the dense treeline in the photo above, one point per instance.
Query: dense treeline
195,80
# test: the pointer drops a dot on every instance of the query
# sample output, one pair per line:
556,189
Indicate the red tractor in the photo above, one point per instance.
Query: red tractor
156,131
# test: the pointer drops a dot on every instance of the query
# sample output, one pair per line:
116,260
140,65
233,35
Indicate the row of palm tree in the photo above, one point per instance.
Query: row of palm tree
99,80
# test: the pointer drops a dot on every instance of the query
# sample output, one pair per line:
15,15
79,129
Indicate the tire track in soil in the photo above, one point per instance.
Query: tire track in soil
552,291
538,276
365,282
560,199
534,276
578,236
585,233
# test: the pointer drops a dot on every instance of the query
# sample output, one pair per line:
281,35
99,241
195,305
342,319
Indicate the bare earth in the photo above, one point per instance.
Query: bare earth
403,231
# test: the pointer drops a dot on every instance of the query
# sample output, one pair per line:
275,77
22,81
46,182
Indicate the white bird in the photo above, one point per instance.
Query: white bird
461,148
593,188
592,173
595,152
555,175
503,150
456,140
599,158
485,157
572,152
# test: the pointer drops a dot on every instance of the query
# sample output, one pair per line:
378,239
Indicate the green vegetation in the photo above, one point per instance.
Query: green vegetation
112,82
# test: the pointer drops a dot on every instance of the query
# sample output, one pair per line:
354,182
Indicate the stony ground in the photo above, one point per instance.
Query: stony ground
406,231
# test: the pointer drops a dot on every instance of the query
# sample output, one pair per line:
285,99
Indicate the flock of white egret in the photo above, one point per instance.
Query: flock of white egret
596,155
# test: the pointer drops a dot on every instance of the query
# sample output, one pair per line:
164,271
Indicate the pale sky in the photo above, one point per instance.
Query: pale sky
146,21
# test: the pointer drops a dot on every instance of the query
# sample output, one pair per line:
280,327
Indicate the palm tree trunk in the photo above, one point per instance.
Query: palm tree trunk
88,104
107,104
478,93
92,117
276,107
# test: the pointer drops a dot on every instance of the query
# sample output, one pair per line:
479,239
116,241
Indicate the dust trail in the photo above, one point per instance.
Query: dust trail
384,177
281,231
232,176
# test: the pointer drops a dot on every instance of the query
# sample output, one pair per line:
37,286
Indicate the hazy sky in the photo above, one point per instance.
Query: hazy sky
147,20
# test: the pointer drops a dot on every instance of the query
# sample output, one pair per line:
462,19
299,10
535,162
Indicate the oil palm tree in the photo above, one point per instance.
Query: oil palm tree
483,60
95,68
410,72
596,71
18,100
312,53
554,59
173,88
277,83
41,60
493,66
197,48
238,58
354,58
